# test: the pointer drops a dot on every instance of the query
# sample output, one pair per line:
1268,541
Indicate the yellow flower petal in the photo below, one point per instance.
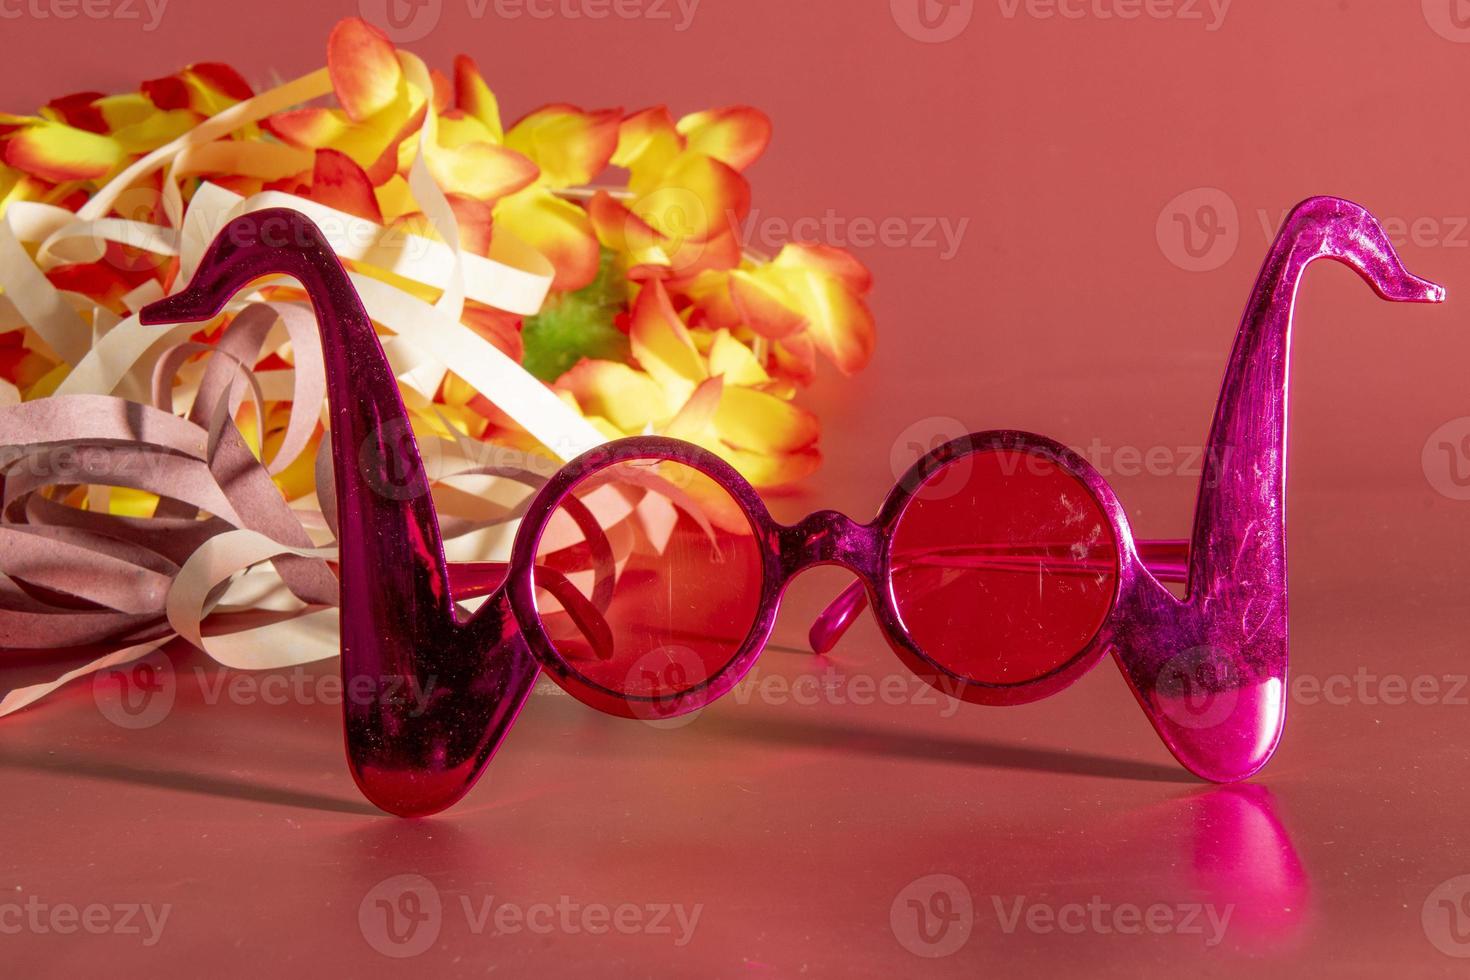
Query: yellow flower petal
736,135
695,422
836,262
473,96
662,344
648,141
481,170
764,304
694,198
569,145
154,131
558,229
457,129
629,399
57,152
760,422
838,321
734,361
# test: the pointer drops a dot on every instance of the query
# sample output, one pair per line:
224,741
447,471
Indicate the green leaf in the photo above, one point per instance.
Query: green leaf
572,326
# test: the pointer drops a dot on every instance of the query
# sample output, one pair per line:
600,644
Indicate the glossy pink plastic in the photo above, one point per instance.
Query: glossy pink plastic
1209,670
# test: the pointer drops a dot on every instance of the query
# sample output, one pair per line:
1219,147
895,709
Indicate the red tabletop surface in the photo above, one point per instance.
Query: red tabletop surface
1037,176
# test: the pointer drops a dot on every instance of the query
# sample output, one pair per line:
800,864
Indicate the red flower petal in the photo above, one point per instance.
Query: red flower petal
223,78
79,110
168,92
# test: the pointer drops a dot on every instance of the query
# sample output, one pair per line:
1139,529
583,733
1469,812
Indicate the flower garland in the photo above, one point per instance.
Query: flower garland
575,277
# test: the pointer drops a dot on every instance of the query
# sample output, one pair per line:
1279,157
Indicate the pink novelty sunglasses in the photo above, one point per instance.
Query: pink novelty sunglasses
646,575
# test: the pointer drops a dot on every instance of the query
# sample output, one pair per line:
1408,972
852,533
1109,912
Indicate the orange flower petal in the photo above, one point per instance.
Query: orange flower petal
648,140
443,90
694,421
623,231
474,218
695,198
500,328
476,221
309,128
570,146
338,182
764,306
732,360
629,399
795,358
715,307
764,470
58,152
558,229
736,135
838,321
760,422
481,170
661,342
835,262
473,96
722,251
364,68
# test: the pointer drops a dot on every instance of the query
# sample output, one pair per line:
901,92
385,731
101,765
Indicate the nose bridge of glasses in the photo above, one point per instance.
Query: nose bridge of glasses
830,538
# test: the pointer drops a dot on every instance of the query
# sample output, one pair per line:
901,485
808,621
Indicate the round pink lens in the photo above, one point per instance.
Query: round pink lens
1003,567
648,580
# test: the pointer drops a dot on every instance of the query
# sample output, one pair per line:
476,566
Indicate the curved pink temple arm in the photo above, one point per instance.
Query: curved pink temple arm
401,630
1210,671
471,579
1166,560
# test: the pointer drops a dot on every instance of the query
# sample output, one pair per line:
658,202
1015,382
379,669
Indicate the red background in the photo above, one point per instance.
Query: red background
1064,144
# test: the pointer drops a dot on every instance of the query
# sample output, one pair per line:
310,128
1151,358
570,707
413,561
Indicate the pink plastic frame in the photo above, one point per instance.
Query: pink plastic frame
1209,670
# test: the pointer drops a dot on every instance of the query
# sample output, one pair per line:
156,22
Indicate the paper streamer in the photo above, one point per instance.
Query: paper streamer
223,545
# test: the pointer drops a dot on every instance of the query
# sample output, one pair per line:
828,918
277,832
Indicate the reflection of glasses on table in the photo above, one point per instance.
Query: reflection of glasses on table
646,574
